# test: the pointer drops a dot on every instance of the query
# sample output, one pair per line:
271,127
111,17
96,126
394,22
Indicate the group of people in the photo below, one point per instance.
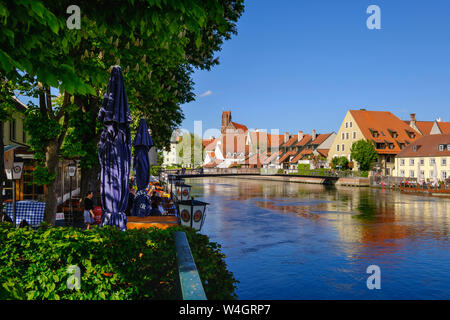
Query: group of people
157,203
5,218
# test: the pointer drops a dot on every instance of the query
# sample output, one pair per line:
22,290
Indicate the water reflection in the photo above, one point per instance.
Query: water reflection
299,241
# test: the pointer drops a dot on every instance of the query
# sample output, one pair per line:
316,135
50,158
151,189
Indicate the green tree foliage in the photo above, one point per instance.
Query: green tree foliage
157,44
363,152
339,163
190,150
114,265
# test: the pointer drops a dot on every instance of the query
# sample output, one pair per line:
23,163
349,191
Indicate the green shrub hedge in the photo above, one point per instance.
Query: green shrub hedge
136,264
154,170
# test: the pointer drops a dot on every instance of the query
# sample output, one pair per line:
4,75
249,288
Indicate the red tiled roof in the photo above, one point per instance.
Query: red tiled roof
323,152
211,145
256,159
271,158
239,126
304,141
321,138
287,155
382,122
424,126
427,146
444,126
290,142
272,140
206,142
301,154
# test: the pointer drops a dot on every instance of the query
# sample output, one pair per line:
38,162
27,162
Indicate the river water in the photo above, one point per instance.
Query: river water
302,241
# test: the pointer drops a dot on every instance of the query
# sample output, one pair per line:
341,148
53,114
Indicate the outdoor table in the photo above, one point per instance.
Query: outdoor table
30,211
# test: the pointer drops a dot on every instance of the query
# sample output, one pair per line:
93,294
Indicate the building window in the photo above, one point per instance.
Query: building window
411,162
402,162
337,148
431,174
388,159
422,173
346,124
351,124
402,173
448,147
444,175
441,147
432,161
354,134
343,136
12,129
411,173
444,162
347,136
343,147
422,162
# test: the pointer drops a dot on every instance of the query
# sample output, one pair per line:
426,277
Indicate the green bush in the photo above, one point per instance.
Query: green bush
136,264
364,174
303,166
154,170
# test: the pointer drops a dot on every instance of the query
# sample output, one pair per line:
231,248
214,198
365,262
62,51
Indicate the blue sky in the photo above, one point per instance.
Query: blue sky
300,65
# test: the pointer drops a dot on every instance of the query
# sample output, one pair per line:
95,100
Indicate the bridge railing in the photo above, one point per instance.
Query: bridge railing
213,171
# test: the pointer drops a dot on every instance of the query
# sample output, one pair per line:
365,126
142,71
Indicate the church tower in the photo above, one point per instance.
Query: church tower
226,120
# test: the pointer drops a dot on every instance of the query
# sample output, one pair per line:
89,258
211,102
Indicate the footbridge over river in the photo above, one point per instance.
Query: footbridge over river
262,174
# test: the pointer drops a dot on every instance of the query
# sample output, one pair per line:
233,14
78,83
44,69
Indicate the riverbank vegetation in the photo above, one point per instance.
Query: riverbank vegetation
131,265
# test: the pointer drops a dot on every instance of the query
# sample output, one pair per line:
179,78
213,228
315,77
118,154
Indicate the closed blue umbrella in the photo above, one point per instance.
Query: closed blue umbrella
114,152
142,144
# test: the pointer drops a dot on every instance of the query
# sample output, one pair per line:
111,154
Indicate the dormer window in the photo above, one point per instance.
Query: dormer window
393,133
410,134
391,146
414,148
448,147
441,147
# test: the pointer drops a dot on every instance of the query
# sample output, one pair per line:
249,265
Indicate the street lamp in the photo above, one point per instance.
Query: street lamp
183,191
71,169
14,174
192,213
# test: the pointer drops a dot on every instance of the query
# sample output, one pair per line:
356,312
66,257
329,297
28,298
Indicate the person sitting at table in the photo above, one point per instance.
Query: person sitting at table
23,224
89,210
131,195
5,218
155,211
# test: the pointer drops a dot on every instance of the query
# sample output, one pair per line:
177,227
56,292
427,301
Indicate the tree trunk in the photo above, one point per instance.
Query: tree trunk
90,181
51,162
90,177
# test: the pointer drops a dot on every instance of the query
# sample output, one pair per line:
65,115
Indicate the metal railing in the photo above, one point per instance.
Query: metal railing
212,171
190,285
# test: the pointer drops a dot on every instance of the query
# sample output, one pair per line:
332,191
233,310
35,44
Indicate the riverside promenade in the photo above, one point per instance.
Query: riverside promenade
258,174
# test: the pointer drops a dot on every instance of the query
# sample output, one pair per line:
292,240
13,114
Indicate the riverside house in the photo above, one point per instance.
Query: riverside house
389,134
15,146
311,149
427,159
